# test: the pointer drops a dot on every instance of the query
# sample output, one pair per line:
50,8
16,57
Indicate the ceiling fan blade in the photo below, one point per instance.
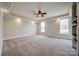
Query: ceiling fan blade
44,13
39,12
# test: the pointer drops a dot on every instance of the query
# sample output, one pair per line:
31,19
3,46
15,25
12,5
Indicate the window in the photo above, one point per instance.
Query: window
42,26
64,26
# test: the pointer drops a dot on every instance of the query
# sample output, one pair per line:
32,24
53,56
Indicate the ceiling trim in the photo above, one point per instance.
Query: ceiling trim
66,14
11,6
22,16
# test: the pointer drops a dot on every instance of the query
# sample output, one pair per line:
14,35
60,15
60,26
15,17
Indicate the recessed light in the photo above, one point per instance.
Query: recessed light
32,22
18,20
5,10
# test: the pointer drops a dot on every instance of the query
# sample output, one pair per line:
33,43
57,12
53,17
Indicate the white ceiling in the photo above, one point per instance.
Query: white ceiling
26,9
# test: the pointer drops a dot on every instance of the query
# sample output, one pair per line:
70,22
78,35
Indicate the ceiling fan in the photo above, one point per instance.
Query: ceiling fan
40,13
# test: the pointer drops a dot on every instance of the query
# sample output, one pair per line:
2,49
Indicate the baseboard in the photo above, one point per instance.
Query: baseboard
57,37
16,37
32,35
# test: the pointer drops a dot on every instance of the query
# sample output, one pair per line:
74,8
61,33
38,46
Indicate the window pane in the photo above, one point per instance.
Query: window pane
64,29
42,26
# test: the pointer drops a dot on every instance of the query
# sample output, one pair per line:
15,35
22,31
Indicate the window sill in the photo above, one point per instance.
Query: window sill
64,34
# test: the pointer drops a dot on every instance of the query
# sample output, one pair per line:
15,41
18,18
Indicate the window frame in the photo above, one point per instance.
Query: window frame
42,25
64,27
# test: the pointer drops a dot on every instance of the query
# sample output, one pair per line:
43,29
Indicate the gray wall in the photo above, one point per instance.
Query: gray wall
1,19
52,29
14,28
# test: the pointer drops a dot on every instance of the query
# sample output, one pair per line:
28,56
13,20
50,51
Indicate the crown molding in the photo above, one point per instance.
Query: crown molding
46,19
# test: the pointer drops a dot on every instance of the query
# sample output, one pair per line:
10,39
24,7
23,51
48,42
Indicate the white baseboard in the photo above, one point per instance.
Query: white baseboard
16,37
55,36
32,35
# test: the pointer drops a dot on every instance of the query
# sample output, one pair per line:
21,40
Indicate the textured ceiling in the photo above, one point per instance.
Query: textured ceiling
26,9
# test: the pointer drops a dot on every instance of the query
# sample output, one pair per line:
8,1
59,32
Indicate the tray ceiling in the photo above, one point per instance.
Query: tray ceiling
26,9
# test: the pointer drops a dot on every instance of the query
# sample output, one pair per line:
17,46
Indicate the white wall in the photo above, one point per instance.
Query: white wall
17,28
52,29
1,19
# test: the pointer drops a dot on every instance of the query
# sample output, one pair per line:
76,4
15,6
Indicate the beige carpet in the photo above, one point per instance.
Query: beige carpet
37,46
